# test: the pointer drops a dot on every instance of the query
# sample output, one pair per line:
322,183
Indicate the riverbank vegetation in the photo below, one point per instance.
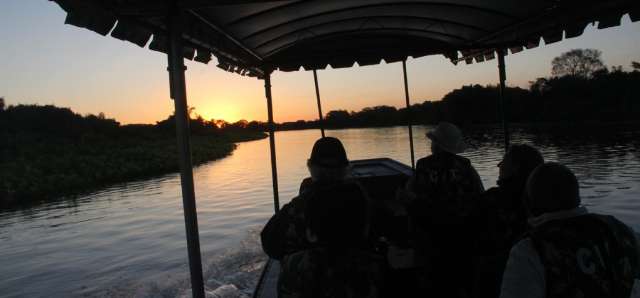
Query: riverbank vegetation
581,90
47,151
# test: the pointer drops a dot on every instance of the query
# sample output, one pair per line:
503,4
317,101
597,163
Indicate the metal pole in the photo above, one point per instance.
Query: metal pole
315,79
179,95
272,141
502,74
406,97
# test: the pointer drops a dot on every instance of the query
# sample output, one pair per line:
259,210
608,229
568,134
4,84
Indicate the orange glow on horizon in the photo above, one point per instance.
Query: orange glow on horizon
227,112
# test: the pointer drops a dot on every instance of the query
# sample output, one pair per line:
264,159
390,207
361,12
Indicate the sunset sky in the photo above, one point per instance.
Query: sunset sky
44,61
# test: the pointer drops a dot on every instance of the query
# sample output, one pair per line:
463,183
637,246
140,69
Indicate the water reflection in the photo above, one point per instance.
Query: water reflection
128,240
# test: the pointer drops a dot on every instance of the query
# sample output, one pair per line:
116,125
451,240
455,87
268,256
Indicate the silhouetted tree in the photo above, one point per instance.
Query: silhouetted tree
339,118
1,103
577,62
539,86
635,65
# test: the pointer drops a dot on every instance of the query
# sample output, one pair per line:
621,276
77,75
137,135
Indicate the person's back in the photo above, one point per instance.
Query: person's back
443,185
590,255
285,231
443,181
318,272
569,252
445,178
339,264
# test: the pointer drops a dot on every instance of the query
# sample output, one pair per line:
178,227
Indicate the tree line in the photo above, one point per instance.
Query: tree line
580,89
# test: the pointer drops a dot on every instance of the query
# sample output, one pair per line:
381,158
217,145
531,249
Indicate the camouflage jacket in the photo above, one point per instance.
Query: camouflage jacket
285,233
444,183
587,256
316,273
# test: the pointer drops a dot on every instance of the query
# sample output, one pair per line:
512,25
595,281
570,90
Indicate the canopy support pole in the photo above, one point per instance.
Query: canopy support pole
272,141
502,75
179,94
406,97
315,79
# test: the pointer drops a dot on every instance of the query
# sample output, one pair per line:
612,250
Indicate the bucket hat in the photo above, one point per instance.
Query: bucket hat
328,152
448,137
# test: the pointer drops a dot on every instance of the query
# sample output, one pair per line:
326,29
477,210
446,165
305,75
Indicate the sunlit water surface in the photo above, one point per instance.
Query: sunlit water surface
128,240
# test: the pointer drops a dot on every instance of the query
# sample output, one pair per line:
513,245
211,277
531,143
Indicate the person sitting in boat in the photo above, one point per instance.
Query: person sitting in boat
498,219
339,264
569,252
439,194
285,231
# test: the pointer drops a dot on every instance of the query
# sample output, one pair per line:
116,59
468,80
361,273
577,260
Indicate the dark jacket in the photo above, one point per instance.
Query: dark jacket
572,253
444,185
587,256
497,221
285,232
349,273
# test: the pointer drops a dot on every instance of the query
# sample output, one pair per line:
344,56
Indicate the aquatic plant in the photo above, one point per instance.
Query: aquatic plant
48,152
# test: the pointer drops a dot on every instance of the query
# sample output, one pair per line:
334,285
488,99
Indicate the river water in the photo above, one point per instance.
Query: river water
128,240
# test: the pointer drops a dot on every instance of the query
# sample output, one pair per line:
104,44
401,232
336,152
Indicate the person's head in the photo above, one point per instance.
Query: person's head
551,187
337,215
446,138
328,160
518,163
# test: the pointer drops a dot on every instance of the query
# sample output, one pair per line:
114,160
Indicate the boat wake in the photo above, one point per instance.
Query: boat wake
232,274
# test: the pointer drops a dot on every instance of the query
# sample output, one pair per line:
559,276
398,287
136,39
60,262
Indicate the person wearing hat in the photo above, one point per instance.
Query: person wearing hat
439,193
444,175
498,218
328,163
285,232
569,252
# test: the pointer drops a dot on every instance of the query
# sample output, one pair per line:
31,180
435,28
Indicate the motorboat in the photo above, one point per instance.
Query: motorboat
254,38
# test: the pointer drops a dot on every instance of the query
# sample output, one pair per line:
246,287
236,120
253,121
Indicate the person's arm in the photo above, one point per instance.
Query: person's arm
304,185
524,274
274,234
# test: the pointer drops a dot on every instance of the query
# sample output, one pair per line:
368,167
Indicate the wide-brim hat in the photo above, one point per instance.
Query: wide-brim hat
448,137
328,152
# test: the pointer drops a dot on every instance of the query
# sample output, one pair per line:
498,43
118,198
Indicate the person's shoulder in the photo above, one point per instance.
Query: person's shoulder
611,220
491,192
295,206
305,185
621,230
488,198
425,162
525,250
461,159
422,160
525,243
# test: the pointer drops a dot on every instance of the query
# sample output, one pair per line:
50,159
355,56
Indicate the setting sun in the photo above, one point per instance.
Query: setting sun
218,110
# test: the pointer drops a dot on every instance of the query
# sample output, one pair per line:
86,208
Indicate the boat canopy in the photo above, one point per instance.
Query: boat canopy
248,37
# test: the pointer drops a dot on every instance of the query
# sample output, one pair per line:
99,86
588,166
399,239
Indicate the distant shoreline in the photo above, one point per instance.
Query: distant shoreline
531,125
